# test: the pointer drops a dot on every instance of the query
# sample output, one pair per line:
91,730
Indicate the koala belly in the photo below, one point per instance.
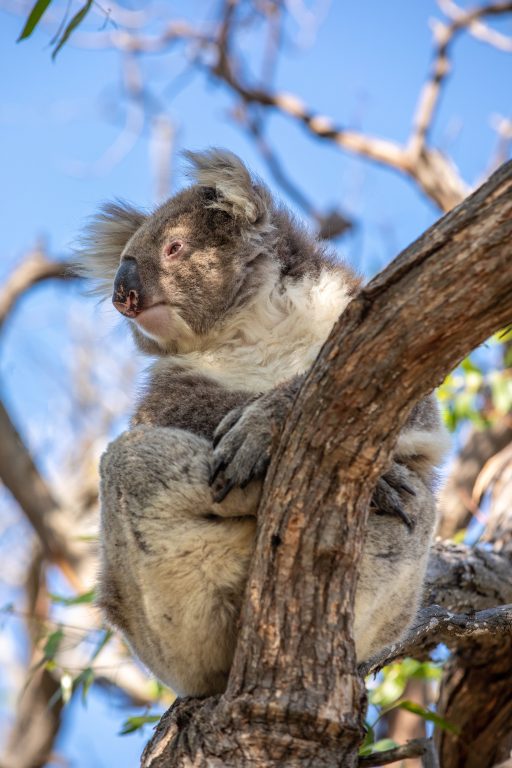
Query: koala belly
175,564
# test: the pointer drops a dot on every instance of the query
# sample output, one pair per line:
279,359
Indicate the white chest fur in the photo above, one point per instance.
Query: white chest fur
277,335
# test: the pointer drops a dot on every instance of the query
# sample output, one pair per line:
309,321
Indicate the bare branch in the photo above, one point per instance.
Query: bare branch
463,587
467,579
503,128
209,47
33,270
437,625
433,172
330,225
21,477
476,27
413,748
444,35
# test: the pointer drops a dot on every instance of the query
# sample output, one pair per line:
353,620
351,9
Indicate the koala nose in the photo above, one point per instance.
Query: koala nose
127,297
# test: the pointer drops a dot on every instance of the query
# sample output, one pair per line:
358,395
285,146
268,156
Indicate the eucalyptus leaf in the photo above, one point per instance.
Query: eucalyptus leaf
33,19
377,746
85,597
52,644
133,724
427,714
73,24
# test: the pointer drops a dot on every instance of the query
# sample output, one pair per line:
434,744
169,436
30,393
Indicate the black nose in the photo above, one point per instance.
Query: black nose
128,297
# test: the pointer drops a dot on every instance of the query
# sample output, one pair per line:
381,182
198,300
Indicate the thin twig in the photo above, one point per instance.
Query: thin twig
413,748
438,625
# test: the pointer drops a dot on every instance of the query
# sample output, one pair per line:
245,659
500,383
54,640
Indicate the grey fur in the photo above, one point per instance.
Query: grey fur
236,319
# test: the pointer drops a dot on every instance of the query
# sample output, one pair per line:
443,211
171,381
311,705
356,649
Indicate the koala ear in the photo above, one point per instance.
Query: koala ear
235,191
102,242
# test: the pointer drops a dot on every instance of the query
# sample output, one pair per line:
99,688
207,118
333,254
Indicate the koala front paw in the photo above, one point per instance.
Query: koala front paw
392,494
242,448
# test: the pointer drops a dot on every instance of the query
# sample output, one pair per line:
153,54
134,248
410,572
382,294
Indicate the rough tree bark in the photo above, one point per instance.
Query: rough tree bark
294,695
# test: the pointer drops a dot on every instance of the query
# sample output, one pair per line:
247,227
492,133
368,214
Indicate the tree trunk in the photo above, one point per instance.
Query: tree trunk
294,696
477,683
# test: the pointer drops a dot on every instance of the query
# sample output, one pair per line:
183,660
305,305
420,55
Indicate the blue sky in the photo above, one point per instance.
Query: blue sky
364,70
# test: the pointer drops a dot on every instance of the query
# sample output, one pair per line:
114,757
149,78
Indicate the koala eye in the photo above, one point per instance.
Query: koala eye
172,249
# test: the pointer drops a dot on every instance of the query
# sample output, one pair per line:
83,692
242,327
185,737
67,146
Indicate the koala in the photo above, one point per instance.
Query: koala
234,299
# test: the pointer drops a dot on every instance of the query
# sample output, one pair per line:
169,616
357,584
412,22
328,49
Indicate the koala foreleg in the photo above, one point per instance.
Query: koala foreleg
174,563
244,440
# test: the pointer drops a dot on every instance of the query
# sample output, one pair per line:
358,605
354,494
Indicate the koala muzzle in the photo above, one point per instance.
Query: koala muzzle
128,295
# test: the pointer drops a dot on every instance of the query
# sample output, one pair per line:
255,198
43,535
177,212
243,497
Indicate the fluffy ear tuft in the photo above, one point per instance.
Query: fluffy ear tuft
236,192
102,242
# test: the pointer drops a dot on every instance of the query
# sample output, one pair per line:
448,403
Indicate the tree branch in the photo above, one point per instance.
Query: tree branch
210,48
21,477
17,469
476,27
444,35
33,270
467,579
414,748
437,625
331,224
462,589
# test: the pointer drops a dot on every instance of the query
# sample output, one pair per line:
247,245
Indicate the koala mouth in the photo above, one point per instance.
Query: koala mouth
154,319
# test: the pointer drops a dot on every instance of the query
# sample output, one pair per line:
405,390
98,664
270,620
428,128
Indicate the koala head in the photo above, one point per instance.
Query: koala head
177,272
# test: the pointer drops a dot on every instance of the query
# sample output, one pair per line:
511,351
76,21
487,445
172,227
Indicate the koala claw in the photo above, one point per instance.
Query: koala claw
218,466
226,424
388,495
242,446
220,493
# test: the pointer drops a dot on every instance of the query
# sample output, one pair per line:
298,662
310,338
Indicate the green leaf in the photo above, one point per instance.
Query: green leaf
33,19
505,334
427,714
73,24
86,597
102,643
135,723
377,746
85,679
468,366
52,644
394,679
158,689
369,738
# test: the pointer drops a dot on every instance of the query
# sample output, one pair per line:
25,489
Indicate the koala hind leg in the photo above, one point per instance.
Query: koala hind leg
392,569
174,563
